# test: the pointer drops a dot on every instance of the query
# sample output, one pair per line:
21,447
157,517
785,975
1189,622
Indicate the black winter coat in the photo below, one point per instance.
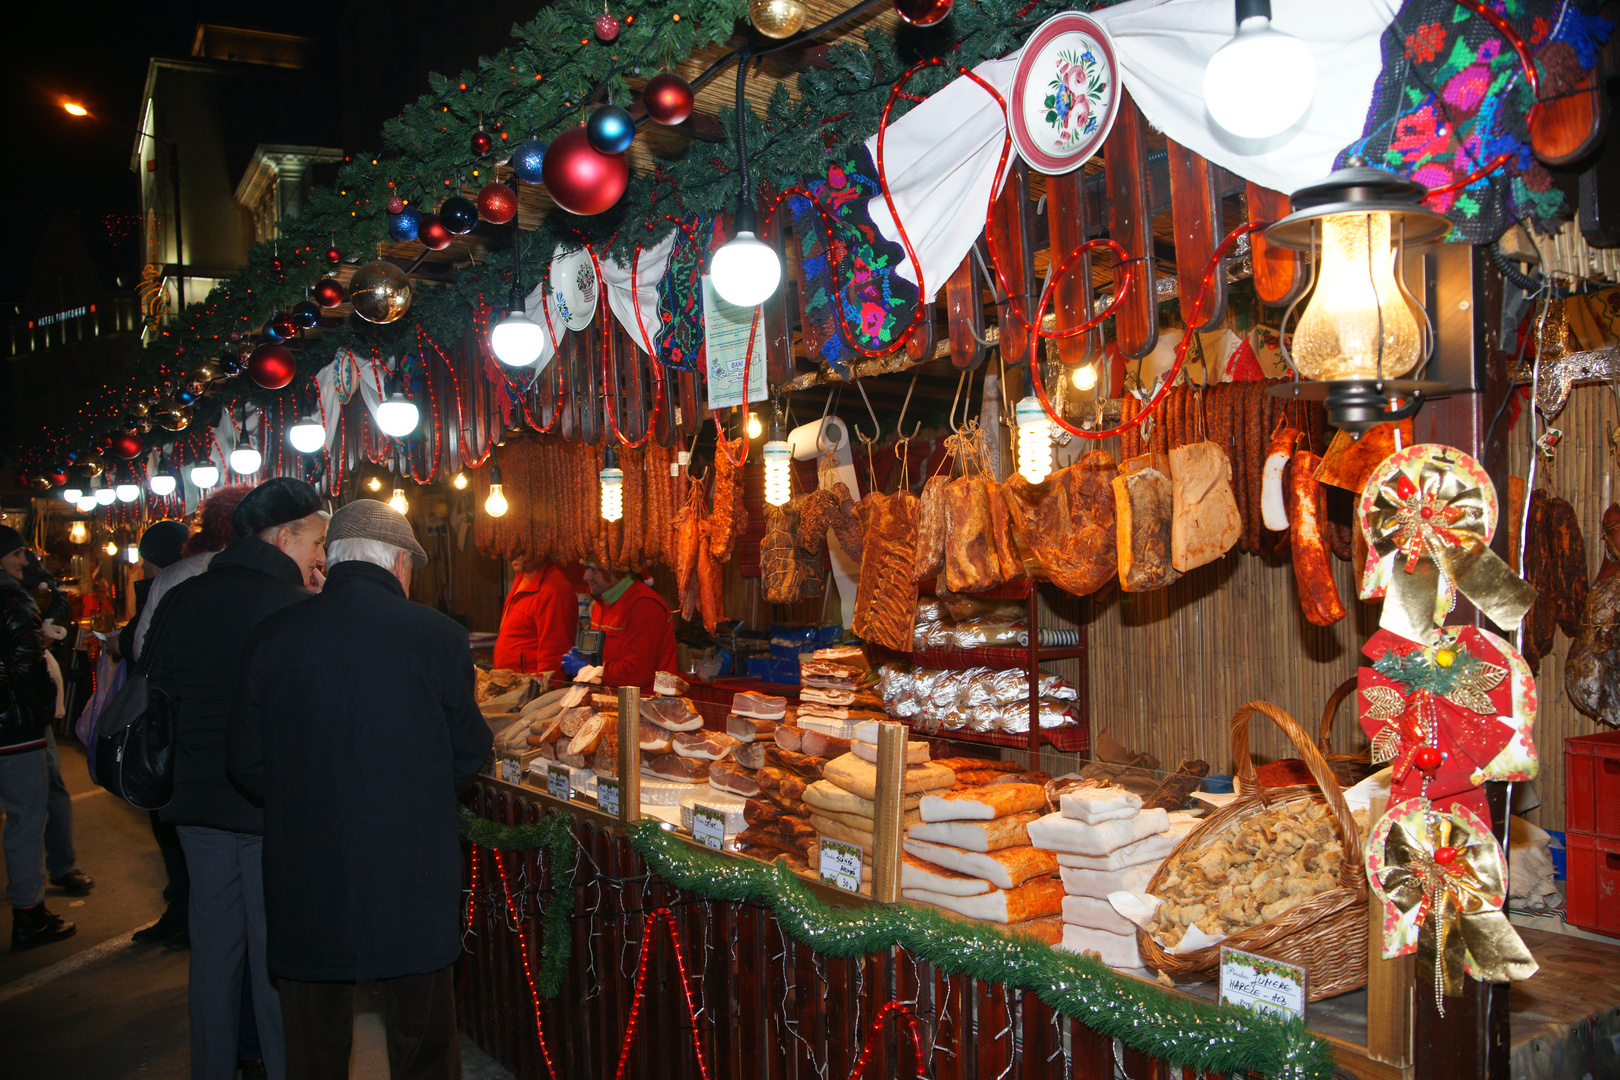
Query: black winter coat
357,725
197,636
27,694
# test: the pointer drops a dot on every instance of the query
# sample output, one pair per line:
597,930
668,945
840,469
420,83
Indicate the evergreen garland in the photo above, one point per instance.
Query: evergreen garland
1418,670
549,79
555,833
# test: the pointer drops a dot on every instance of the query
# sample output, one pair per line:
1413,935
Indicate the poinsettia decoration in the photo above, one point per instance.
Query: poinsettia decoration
1432,711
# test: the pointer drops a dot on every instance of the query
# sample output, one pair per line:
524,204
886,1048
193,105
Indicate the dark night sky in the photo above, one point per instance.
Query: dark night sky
96,54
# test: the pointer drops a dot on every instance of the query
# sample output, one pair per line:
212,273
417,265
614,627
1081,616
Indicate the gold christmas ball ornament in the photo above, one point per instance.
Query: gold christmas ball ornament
380,292
139,408
141,427
204,373
777,18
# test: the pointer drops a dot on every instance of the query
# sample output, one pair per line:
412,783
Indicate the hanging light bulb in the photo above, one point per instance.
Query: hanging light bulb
397,501
162,484
1085,376
307,436
72,495
398,416
127,492
460,482
754,426
86,504
1362,332
77,533
1261,82
745,270
245,458
778,457
204,474
104,496
132,554
1034,439
375,483
517,339
612,478
495,505
111,548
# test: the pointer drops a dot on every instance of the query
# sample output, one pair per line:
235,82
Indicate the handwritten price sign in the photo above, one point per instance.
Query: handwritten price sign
1262,984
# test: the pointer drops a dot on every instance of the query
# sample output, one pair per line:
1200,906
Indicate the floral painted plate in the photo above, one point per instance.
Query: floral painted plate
1065,93
574,290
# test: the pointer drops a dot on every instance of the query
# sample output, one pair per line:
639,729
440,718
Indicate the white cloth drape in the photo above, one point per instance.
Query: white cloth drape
338,381
940,158
649,272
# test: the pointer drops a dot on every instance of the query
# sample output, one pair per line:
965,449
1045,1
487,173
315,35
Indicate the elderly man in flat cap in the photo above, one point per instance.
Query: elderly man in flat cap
357,726
195,642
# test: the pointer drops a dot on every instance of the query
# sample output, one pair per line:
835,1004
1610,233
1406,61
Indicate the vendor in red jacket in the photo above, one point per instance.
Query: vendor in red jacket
541,619
637,629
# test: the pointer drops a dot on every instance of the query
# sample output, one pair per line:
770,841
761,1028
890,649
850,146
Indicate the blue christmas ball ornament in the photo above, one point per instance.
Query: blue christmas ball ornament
184,397
527,159
403,225
271,332
306,315
610,130
459,215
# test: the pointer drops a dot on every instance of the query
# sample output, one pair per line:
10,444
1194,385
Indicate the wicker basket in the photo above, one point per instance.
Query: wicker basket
1348,769
1327,934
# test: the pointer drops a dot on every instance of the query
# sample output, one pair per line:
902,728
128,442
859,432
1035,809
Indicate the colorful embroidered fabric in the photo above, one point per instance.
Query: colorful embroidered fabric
855,265
680,342
1452,98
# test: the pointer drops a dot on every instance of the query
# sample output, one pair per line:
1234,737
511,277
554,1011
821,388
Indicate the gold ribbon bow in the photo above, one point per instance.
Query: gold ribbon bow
1433,526
1455,898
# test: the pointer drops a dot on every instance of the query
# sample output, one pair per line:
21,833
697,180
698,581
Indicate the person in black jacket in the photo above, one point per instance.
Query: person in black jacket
27,702
357,725
196,641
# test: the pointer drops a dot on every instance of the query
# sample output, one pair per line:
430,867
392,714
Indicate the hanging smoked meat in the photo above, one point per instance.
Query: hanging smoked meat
1145,507
688,530
1007,557
970,548
710,596
846,523
886,597
1205,522
1569,561
1541,571
779,568
931,530
1313,572
1068,522
723,520
815,518
1592,672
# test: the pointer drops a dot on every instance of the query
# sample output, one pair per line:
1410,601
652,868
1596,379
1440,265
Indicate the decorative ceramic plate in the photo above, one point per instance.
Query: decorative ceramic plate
574,289
1065,93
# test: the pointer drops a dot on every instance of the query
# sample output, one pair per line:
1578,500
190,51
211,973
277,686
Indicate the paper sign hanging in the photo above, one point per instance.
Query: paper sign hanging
726,329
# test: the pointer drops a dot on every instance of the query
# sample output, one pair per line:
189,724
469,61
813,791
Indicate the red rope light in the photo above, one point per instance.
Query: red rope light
610,395
528,972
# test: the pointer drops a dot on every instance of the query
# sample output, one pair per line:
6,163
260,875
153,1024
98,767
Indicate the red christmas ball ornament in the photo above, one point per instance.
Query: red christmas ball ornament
923,12
57,478
272,366
102,444
179,350
1427,758
1445,856
126,445
433,234
579,178
481,142
395,204
668,98
607,27
284,325
328,293
333,256
235,335
276,264
497,204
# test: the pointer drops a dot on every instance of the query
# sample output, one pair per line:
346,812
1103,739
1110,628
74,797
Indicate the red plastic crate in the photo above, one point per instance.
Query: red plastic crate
1592,784
1592,889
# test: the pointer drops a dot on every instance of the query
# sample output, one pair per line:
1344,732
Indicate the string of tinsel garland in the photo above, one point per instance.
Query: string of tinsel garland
535,87
1208,1038
554,833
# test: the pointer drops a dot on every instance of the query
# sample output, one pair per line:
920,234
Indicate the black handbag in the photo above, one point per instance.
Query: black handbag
136,734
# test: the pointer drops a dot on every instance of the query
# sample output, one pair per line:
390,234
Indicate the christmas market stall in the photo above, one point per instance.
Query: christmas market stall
1099,464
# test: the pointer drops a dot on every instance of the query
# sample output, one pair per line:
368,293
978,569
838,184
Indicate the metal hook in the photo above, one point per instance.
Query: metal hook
966,376
877,428
898,424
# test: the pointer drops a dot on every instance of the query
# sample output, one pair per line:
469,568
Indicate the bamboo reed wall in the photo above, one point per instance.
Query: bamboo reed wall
1576,473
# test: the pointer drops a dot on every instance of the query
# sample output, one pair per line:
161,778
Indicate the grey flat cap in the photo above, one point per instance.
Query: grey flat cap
368,519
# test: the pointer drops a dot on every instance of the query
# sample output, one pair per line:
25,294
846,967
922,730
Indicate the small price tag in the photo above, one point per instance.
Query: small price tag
840,864
709,826
511,770
1261,983
607,795
558,783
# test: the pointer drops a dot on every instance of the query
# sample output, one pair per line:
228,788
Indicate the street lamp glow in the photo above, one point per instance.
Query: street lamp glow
75,109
